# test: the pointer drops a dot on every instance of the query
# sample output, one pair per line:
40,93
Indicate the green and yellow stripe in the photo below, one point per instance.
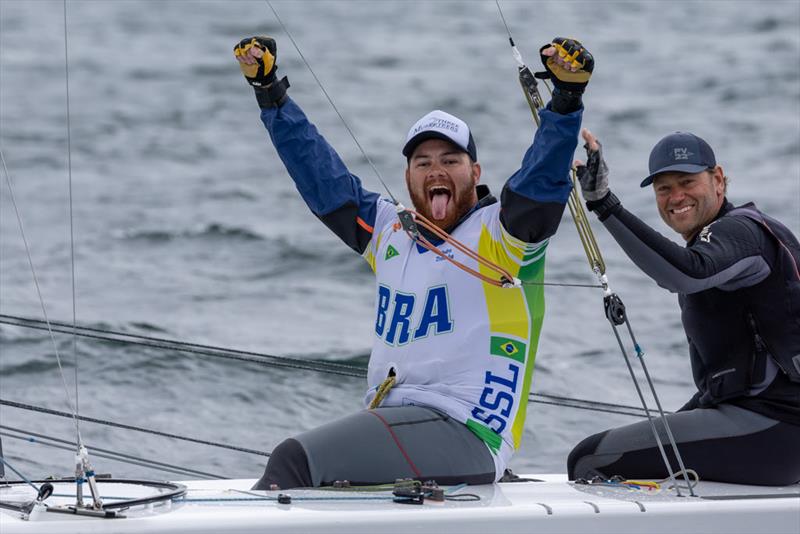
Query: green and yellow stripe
515,315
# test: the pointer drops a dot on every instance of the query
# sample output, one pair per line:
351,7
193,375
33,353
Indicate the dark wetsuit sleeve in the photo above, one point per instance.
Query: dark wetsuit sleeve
334,195
731,257
534,197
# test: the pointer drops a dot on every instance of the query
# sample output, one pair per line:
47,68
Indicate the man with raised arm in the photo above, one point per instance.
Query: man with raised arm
738,287
453,354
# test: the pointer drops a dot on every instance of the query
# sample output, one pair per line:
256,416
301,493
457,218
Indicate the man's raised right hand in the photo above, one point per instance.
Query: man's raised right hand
256,56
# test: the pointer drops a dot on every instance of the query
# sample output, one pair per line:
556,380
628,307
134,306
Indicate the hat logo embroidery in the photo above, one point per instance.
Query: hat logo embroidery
437,124
681,154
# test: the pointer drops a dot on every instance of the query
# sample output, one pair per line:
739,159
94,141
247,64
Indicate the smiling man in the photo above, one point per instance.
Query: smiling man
738,287
453,355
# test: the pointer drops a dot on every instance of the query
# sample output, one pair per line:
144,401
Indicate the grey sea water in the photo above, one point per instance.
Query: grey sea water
187,226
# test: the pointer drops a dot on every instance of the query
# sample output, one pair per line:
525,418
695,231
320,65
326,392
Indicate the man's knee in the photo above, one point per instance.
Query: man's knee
584,449
287,467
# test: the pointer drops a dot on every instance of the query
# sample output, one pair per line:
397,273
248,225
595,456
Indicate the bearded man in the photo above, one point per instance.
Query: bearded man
454,352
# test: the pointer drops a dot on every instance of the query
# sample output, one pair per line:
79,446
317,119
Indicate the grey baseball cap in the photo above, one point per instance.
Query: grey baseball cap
680,152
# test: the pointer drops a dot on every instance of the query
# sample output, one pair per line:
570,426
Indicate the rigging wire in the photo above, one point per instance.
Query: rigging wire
330,100
104,422
589,408
539,398
50,441
589,402
503,18
44,439
74,331
408,218
614,308
194,348
275,361
38,288
590,405
71,223
83,468
20,475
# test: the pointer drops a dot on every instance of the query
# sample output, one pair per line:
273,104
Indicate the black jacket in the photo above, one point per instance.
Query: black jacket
739,291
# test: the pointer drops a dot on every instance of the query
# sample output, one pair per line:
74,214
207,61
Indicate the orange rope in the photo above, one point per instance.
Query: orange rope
506,278
463,248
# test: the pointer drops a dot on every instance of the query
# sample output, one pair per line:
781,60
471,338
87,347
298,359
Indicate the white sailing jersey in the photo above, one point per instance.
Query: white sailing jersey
454,342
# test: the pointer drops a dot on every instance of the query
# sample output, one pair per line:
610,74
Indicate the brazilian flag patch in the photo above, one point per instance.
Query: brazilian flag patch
508,348
391,252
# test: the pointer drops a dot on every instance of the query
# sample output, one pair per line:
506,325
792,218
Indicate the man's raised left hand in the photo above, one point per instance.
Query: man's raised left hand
567,64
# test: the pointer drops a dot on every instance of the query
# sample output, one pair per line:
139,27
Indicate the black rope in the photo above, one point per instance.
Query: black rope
254,357
191,348
58,413
606,410
98,454
34,437
270,360
260,358
626,410
590,403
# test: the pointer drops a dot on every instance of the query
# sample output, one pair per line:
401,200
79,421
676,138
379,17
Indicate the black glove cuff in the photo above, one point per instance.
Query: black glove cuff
565,102
605,207
274,95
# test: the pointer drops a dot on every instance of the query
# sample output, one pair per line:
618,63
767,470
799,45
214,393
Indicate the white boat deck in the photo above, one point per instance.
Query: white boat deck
550,506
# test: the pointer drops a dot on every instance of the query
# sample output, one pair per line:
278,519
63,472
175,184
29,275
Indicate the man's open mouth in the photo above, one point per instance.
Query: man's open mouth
439,197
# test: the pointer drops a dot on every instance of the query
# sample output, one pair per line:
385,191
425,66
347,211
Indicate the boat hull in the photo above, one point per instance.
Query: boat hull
550,506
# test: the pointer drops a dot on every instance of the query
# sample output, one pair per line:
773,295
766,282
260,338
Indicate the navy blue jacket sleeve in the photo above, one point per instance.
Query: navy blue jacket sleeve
334,195
730,255
534,197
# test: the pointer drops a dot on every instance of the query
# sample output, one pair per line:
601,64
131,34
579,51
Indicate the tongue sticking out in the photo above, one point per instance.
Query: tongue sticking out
439,205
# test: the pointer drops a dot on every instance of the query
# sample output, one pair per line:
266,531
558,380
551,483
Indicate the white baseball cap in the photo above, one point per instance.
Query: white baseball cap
440,125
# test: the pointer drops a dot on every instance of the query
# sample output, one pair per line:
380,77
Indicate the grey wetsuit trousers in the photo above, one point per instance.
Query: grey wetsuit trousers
379,446
724,444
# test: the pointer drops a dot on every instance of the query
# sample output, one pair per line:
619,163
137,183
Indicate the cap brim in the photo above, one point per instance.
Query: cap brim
421,137
684,167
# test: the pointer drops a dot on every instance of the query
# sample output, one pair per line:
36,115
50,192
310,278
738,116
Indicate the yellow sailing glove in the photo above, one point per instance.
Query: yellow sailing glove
256,57
570,67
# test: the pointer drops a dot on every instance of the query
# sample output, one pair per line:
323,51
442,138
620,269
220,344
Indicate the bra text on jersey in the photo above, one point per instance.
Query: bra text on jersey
402,318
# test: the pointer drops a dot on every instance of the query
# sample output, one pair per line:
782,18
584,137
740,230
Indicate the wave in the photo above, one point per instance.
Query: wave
209,231
384,62
41,365
639,116
234,194
147,327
